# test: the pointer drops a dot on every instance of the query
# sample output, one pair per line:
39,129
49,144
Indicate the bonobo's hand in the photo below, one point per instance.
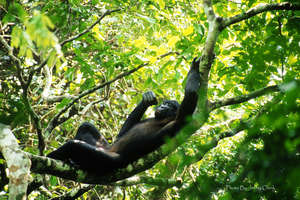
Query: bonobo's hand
195,64
149,98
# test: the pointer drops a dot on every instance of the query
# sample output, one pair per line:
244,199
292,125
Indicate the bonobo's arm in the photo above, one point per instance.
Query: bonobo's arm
189,102
135,116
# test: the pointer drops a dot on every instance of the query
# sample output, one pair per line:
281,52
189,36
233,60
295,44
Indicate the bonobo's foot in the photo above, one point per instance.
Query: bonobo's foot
149,98
195,64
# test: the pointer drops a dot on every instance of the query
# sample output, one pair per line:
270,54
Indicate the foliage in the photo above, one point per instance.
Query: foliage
261,160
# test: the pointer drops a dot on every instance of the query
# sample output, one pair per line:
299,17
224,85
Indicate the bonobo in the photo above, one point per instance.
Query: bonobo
90,151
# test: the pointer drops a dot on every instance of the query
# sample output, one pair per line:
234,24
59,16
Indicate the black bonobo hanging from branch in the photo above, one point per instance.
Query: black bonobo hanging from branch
90,151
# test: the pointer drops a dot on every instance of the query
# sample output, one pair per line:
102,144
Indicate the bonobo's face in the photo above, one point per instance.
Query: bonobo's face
167,109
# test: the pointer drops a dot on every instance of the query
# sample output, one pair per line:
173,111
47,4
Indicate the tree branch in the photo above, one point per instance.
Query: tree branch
243,125
244,98
37,123
213,29
206,59
25,86
74,193
15,59
259,9
136,180
45,165
189,160
108,12
163,182
17,162
208,9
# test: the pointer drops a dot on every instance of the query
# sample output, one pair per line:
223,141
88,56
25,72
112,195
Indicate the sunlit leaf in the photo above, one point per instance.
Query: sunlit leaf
292,59
161,3
187,31
140,42
16,35
172,41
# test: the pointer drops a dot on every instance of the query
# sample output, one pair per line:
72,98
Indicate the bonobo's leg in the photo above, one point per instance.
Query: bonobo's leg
60,153
189,102
136,115
87,157
88,133
187,106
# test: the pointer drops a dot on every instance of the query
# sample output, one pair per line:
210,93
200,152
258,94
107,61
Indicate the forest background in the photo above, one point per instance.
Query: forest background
63,62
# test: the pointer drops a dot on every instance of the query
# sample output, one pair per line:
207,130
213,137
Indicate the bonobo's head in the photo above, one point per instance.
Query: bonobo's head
168,108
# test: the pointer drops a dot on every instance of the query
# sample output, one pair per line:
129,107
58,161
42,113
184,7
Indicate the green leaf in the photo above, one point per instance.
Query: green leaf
63,103
86,69
16,35
15,9
88,83
53,180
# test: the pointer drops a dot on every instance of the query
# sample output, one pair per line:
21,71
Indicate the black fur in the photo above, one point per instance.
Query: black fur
90,151
167,109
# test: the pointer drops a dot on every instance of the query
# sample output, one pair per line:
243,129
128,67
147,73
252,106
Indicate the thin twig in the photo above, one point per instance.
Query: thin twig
108,12
15,59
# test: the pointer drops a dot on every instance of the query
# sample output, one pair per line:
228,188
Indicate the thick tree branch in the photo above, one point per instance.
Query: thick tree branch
208,9
259,9
207,60
108,12
17,162
213,29
44,165
53,98
244,98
